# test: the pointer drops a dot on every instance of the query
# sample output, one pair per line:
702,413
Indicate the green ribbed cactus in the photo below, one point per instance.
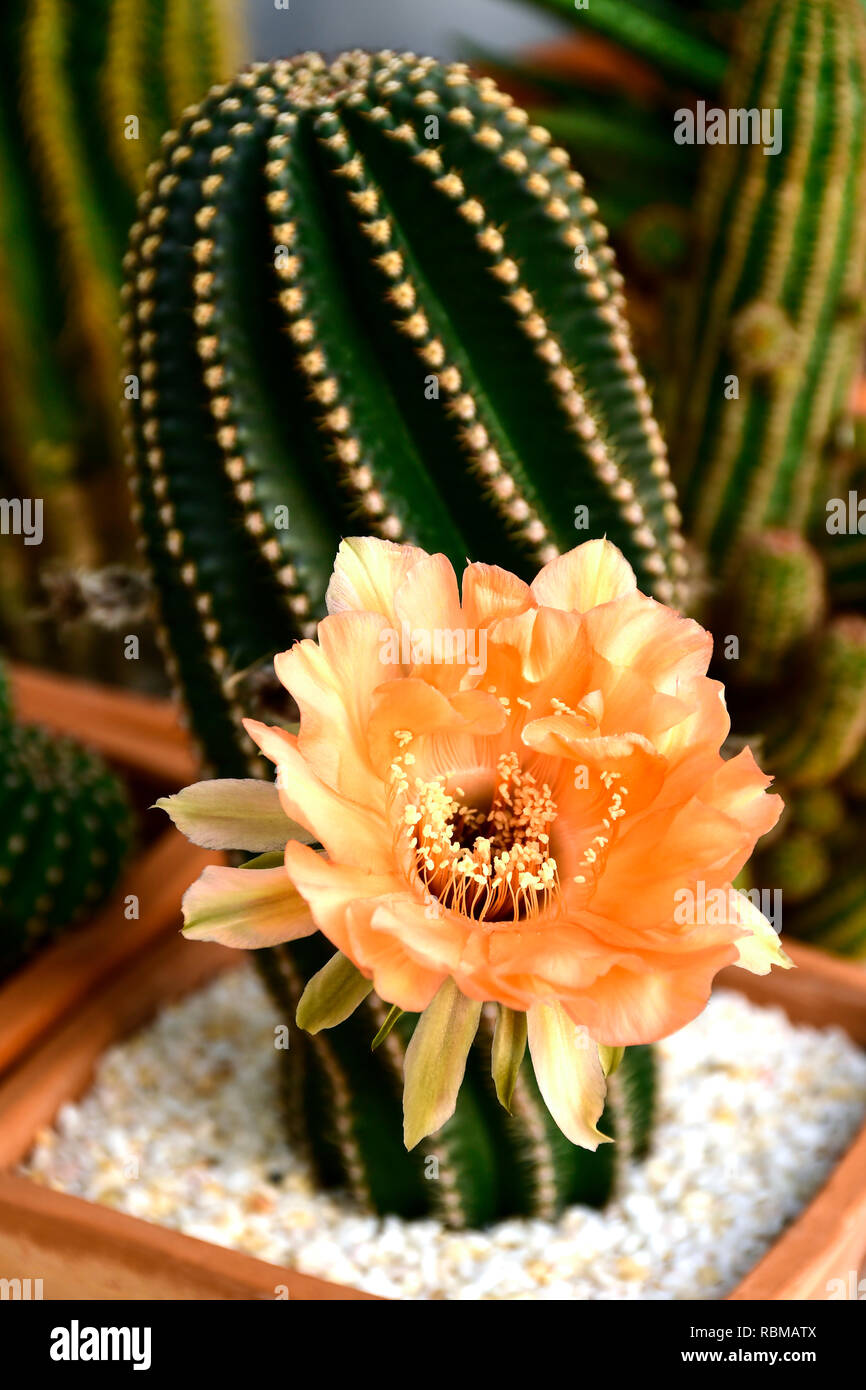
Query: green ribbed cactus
344,1109
372,297
74,79
776,307
822,725
836,917
333,333
771,344
761,328
773,602
67,828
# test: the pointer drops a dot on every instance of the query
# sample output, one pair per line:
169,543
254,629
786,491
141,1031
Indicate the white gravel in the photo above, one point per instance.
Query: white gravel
182,1127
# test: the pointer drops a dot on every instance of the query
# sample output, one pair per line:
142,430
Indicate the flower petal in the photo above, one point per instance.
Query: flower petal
351,833
592,573
490,593
509,1046
761,949
333,684
435,1062
367,574
331,995
245,908
232,813
569,1073
346,905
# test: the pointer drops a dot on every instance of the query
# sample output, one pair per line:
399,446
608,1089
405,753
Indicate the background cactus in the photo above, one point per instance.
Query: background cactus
74,79
776,303
334,333
67,828
759,283
776,307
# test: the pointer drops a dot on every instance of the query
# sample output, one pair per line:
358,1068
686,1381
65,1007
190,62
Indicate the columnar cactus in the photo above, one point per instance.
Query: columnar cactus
822,727
67,827
372,297
772,341
775,311
343,1106
85,91
774,602
763,340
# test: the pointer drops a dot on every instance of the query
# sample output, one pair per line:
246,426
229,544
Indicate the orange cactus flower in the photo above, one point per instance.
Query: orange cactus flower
519,798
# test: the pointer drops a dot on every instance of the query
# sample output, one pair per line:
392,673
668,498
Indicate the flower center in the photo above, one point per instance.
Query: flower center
493,863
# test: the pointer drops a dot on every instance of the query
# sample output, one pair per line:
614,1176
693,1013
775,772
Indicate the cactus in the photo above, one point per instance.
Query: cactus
354,292
772,338
836,917
344,1108
820,731
820,810
331,330
67,827
774,298
73,78
776,306
773,603
797,864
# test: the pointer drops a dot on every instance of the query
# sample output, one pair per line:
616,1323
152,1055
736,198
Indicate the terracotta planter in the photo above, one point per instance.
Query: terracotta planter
141,734
88,1252
60,1013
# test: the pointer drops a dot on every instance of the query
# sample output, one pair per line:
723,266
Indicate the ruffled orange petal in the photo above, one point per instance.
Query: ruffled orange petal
367,574
491,593
333,684
631,1005
591,574
635,632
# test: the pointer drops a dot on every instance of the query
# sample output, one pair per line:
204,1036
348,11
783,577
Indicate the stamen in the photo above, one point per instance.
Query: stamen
494,864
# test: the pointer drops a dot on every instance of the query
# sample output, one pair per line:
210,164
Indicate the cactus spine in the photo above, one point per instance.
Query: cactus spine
332,328
75,79
67,827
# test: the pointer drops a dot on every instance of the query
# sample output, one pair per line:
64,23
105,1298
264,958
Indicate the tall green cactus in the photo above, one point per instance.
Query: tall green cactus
771,345
372,297
85,91
332,332
67,828
764,330
776,307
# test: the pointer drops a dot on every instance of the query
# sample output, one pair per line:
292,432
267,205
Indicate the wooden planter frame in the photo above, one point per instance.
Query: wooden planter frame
60,1013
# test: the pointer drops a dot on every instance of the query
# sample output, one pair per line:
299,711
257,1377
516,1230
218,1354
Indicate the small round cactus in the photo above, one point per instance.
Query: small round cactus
67,828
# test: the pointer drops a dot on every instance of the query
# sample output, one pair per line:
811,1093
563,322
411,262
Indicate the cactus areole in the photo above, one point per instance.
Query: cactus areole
372,297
